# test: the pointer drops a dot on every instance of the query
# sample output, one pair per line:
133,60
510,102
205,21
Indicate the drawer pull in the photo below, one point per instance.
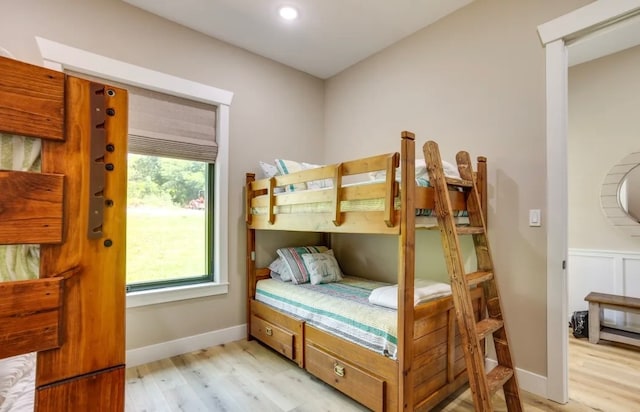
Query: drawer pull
338,370
269,331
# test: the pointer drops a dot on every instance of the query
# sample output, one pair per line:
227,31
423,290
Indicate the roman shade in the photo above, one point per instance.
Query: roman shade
170,126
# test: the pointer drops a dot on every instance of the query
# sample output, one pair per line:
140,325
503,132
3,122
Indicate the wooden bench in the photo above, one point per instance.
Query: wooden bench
599,301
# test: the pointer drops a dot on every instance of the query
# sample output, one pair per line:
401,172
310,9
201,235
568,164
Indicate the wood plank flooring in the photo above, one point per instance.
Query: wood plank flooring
246,376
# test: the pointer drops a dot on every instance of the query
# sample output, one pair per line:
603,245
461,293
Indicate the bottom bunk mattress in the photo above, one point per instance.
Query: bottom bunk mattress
341,308
17,380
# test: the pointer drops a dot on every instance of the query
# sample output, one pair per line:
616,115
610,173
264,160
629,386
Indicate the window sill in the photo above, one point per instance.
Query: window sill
173,294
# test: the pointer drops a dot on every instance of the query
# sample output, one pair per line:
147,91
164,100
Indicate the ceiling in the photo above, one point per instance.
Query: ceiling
328,36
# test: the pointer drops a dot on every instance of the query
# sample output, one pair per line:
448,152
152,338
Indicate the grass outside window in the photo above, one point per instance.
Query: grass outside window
168,241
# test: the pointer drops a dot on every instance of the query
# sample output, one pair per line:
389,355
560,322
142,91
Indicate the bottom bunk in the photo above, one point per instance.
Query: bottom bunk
17,382
356,356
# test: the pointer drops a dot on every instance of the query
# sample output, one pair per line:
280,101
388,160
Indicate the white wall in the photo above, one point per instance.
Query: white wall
474,81
604,96
276,111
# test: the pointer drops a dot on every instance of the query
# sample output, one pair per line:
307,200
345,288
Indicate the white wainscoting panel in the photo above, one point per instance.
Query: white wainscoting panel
604,271
632,283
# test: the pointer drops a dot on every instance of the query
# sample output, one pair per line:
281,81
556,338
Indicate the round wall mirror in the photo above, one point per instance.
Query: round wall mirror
620,195
629,194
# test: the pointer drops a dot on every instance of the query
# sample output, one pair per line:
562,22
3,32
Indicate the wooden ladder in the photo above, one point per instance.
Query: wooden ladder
483,385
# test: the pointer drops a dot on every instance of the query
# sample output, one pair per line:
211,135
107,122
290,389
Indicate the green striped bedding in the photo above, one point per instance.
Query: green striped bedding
19,262
340,308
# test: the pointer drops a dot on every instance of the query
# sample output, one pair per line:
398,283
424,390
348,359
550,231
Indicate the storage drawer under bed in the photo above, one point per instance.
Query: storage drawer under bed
357,383
280,332
279,339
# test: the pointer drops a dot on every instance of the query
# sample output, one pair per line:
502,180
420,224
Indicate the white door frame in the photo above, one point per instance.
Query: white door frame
554,35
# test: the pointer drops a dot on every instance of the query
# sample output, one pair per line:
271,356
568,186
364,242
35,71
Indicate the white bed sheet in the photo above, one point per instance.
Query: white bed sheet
17,383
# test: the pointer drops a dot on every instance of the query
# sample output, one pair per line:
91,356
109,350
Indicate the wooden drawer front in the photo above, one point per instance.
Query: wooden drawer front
350,380
96,392
274,336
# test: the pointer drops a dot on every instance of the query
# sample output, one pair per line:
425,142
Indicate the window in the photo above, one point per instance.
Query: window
172,152
64,58
168,214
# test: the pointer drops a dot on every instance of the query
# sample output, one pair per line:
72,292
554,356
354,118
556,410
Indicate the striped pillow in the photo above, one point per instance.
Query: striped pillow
292,256
286,167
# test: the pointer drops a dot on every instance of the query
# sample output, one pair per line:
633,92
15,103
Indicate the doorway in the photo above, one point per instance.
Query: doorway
555,36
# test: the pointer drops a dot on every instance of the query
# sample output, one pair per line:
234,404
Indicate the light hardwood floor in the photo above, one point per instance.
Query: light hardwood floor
246,376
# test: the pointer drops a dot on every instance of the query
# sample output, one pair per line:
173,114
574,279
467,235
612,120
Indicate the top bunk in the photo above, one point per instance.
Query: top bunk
378,194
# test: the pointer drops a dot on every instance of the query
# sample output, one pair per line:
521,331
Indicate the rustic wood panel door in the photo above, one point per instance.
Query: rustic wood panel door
84,127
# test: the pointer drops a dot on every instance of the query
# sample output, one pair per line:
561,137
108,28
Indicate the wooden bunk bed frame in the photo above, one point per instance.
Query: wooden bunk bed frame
73,315
430,363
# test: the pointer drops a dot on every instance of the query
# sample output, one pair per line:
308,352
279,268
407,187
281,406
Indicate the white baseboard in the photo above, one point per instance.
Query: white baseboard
528,381
146,354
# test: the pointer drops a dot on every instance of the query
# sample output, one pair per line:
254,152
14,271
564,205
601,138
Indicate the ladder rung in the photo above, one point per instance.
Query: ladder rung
488,326
497,377
475,278
470,230
458,182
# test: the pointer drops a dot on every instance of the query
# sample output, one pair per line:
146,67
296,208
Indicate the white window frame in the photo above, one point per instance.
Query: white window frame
62,58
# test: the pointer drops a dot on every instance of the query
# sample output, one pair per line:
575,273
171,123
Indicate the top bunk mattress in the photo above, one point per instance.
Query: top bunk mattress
424,217
340,308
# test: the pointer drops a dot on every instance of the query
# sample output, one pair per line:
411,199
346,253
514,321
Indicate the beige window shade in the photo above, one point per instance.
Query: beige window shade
168,126
164,125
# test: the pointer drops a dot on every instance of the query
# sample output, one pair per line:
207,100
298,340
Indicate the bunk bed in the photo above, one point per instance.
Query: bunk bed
63,146
424,362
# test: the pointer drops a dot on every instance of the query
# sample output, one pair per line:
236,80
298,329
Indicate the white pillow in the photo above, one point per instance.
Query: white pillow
317,184
323,267
280,267
420,172
286,167
422,175
450,170
269,171
425,290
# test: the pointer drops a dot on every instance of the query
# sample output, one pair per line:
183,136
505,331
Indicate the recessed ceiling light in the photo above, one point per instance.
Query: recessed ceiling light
288,13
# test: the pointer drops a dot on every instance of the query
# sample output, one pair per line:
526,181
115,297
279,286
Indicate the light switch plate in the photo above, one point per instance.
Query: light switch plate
535,218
